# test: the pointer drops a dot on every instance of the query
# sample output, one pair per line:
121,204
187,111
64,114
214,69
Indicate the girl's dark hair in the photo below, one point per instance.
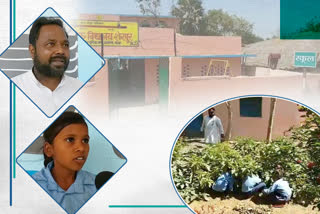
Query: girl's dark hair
65,119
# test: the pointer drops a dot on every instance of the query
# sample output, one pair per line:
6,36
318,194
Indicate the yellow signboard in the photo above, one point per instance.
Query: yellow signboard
113,33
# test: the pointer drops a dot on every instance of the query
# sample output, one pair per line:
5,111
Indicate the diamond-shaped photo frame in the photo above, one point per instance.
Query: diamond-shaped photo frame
42,70
62,149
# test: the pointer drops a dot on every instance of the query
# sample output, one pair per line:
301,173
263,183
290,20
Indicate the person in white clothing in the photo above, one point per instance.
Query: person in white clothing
212,127
47,85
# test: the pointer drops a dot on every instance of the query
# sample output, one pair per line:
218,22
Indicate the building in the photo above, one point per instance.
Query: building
174,72
250,118
165,66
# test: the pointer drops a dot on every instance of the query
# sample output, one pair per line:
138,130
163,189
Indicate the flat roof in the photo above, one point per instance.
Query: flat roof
195,56
129,15
220,56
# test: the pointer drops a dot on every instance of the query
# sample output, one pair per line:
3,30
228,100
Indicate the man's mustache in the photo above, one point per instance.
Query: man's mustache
62,58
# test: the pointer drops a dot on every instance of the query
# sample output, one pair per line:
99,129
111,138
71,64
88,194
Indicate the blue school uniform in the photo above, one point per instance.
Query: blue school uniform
281,189
224,182
250,182
77,194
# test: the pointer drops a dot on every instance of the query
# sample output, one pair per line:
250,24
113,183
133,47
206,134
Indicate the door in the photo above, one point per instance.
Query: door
126,83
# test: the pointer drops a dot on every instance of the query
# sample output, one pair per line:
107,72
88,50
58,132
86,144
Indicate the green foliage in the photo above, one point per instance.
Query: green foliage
220,23
184,167
194,21
195,169
149,7
308,137
309,132
312,25
310,30
191,15
152,8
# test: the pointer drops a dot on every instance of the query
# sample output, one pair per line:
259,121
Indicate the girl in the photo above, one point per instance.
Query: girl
65,151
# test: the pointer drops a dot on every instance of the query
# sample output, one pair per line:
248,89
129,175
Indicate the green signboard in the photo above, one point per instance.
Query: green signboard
305,59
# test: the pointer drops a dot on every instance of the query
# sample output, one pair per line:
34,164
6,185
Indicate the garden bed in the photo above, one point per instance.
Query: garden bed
235,206
196,166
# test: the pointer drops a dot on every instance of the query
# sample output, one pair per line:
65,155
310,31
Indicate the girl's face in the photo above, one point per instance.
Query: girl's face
70,147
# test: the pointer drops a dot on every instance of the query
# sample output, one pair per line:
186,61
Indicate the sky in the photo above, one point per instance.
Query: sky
264,14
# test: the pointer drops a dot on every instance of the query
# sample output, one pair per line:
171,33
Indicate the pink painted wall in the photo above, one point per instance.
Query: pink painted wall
95,94
161,42
199,67
207,45
198,94
286,116
170,22
152,81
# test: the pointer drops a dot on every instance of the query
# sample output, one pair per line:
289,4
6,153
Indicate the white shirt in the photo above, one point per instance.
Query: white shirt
48,101
250,182
212,128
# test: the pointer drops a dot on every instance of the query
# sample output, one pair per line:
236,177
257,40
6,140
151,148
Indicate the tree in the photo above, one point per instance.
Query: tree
150,7
229,127
220,23
313,25
249,37
191,15
273,102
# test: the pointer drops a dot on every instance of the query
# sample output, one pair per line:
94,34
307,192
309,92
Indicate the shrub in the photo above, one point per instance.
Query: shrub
196,169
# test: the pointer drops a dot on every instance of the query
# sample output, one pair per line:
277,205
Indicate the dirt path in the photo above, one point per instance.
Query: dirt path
236,206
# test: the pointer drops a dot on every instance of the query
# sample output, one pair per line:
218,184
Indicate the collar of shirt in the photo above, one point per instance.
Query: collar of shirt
76,187
34,79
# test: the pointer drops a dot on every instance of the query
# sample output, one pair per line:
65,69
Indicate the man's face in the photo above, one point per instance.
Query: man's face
51,54
211,112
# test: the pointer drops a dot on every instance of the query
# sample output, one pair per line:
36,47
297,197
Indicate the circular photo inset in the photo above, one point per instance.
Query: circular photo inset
250,155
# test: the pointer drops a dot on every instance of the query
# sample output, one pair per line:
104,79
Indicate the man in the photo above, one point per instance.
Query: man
212,127
47,85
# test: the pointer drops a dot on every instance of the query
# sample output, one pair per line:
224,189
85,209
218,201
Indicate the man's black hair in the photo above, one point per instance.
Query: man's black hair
211,109
35,29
